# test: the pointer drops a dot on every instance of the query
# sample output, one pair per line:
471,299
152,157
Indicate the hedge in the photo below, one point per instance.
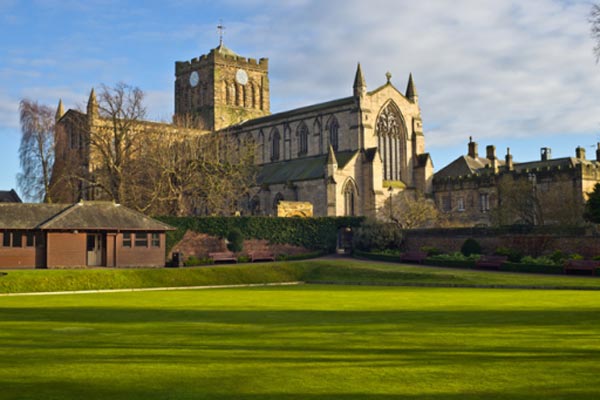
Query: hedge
311,233
534,268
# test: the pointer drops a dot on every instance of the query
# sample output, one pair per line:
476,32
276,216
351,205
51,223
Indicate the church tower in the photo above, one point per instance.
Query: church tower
220,89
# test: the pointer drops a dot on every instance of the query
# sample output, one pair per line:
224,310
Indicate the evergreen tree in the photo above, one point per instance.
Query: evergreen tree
592,207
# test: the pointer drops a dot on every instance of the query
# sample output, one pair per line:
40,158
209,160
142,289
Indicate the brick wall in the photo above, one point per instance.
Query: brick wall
451,240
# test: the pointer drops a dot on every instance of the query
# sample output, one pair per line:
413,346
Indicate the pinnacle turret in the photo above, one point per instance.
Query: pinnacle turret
92,106
60,110
411,92
360,86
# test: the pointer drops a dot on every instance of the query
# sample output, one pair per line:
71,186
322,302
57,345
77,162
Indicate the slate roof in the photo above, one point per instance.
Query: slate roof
9,196
301,169
85,216
465,165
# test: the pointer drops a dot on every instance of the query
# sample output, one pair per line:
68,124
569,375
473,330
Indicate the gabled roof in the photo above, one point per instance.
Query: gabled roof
465,165
300,169
84,216
9,196
26,215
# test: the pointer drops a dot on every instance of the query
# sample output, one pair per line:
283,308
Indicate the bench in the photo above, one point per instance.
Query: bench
490,261
224,256
261,256
581,265
413,256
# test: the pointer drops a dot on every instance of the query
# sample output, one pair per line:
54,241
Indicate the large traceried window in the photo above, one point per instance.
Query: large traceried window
275,145
302,134
392,137
333,128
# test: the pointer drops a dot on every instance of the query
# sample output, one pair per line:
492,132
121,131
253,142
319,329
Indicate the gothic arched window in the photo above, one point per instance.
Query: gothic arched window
391,137
350,198
302,134
333,127
261,147
287,142
254,206
278,198
275,143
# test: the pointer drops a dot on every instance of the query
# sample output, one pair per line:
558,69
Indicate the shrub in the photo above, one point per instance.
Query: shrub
236,240
512,254
470,246
575,256
596,258
431,251
377,236
243,259
194,261
558,257
544,260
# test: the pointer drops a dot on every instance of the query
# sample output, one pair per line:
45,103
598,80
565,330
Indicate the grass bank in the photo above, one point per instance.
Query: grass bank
338,271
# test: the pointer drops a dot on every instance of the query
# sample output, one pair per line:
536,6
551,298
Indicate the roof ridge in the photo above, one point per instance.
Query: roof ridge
59,215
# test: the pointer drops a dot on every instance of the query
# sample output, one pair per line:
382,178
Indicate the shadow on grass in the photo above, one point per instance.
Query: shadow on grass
65,390
308,318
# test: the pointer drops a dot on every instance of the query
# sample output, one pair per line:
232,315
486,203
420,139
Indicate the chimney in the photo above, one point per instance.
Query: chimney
509,160
472,148
598,152
580,153
491,155
546,153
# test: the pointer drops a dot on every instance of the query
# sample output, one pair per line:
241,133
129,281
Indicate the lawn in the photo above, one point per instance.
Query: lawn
305,342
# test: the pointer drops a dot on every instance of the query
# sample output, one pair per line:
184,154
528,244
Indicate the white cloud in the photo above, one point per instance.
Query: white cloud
488,68
9,113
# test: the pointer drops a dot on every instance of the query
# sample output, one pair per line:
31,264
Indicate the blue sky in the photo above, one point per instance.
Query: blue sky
510,73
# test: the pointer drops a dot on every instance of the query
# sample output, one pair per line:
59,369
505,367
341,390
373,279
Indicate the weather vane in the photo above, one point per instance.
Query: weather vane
221,29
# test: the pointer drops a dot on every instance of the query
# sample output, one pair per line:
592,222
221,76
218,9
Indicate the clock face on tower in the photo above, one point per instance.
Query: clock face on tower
194,79
241,77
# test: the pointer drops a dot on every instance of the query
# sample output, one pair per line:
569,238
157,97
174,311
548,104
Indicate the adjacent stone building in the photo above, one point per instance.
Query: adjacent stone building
345,156
468,190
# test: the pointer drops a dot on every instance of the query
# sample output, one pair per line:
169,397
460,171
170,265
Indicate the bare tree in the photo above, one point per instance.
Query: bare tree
113,143
525,200
196,173
595,29
410,209
36,152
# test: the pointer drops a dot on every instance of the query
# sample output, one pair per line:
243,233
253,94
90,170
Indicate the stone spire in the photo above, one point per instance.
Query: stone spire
60,111
411,92
360,86
92,105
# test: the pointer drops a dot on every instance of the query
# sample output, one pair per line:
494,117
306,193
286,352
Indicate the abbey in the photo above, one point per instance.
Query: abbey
344,157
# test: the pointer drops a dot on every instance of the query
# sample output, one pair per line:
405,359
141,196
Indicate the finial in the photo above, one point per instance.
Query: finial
470,139
221,29
508,151
388,75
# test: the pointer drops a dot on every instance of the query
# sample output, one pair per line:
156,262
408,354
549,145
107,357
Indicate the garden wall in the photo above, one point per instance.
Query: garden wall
532,243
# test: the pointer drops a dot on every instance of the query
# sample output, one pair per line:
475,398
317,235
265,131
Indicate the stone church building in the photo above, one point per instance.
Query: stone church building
345,156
